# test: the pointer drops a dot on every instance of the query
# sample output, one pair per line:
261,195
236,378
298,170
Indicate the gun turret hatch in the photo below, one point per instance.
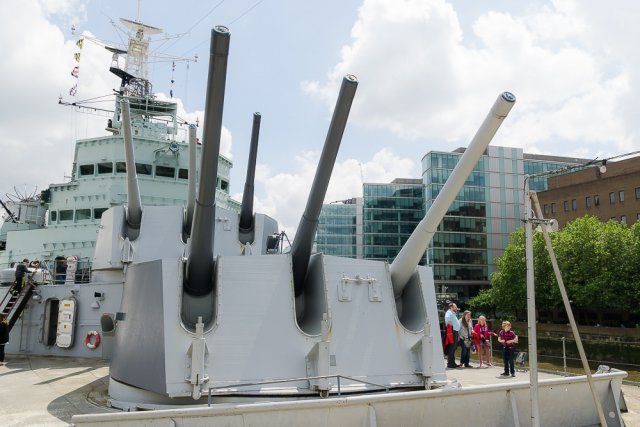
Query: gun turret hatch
134,203
303,243
407,260
245,228
200,262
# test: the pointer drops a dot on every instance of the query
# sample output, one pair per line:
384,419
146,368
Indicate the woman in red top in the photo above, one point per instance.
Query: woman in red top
481,336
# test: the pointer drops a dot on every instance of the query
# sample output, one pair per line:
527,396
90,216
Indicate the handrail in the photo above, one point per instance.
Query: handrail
209,397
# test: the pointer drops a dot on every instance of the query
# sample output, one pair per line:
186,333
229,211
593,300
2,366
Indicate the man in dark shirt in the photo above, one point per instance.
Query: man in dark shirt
21,272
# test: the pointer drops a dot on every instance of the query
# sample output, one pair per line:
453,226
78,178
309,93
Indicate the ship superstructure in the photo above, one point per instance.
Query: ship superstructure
64,219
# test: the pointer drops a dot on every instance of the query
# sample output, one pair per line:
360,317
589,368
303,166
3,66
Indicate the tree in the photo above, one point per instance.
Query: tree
599,262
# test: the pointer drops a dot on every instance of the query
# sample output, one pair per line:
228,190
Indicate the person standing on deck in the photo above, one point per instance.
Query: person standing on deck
21,272
508,339
450,318
466,328
4,335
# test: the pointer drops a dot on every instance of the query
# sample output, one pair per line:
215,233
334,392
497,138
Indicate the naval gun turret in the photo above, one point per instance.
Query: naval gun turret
204,312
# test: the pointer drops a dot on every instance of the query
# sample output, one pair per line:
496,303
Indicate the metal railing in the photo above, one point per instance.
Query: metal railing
338,377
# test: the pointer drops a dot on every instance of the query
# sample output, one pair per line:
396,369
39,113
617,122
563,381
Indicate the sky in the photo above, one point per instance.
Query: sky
428,72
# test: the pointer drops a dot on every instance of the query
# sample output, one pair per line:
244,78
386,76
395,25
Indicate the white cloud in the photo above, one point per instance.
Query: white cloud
423,76
286,193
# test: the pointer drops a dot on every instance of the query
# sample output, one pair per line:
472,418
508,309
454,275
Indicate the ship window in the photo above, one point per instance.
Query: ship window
86,170
66,215
183,173
143,169
97,212
121,167
82,214
54,216
165,171
104,168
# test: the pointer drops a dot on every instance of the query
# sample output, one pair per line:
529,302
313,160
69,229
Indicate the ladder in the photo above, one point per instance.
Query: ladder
13,305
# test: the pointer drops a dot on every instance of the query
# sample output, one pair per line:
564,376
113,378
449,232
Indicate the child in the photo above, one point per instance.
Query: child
482,337
508,339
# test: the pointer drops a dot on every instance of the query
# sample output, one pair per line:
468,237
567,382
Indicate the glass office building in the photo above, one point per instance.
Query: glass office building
475,229
340,229
391,213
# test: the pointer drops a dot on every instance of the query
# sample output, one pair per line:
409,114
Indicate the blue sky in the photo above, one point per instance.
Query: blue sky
428,70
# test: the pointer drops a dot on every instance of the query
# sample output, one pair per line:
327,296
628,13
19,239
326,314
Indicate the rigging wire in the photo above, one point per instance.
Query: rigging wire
245,12
228,25
196,24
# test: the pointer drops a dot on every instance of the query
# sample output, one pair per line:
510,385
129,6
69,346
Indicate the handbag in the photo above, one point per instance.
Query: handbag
467,342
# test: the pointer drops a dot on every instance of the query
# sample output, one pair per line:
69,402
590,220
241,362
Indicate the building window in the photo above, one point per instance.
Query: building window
637,193
183,173
612,198
596,200
54,216
566,205
574,205
553,208
587,201
621,196
623,219
546,209
613,218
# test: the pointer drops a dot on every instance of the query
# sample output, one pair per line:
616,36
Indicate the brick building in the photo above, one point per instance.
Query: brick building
614,194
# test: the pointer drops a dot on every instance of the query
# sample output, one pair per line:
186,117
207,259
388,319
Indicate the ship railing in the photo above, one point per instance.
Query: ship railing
58,269
290,380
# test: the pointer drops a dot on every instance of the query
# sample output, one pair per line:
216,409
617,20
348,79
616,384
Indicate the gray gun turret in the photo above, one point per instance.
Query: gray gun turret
200,263
303,243
134,204
245,229
406,261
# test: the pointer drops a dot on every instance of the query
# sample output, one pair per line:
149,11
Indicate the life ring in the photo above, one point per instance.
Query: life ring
96,339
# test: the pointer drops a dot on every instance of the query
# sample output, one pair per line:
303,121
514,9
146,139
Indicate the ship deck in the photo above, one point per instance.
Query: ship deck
48,391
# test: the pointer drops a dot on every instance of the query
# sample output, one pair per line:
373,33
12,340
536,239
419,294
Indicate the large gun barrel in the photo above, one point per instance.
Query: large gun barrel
200,263
134,204
406,261
246,214
191,189
303,243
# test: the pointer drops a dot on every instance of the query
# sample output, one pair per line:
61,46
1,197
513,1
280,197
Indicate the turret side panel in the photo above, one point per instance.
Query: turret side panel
367,339
160,234
256,337
139,358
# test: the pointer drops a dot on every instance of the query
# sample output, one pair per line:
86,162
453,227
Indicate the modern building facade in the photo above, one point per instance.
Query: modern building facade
612,193
476,228
340,229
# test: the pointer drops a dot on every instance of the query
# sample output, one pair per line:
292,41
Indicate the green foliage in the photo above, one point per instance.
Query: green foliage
599,262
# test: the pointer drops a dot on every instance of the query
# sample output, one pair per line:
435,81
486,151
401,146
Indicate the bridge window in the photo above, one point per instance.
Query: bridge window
82,214
143,169
105,168
165,171
66,215
97,212
121,167
87,170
